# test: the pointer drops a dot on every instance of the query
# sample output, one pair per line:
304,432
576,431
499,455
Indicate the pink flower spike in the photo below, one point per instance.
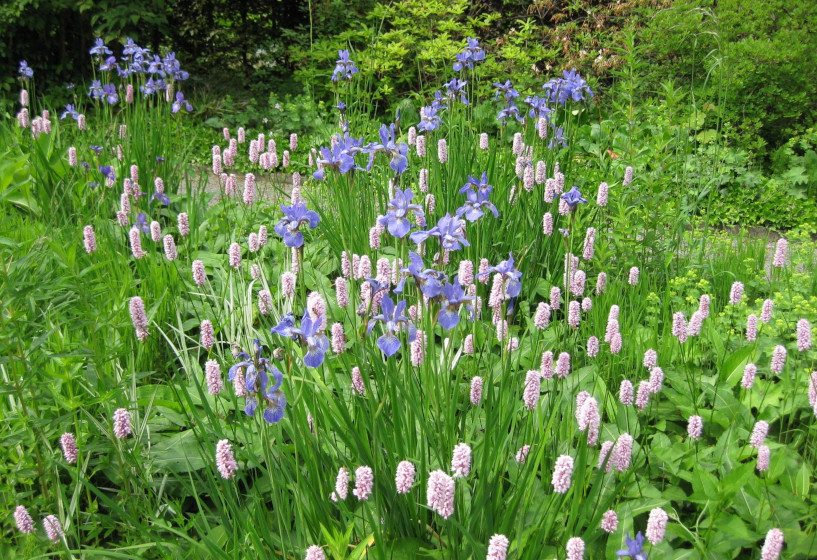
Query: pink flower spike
736,293
778,359
803,335
314,552
626,392
592,347
23,520
461,460
225,460
53,529
522,454
562,472
341,484
404,478
763,456
89,239
364,483
759,433
121,423
695,427
563,365
139,318
751,328
609,521
498,547
235,255
622,452
650,358
642,398
575,549
748,380
476,391
656,380
338,338
357,381
440,493
656,526
633,278
212,375
69,447
766,311
773,545
207,336
780,253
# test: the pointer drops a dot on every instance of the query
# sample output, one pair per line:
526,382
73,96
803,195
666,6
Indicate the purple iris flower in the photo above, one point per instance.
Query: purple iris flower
344,67
449,230
131,48
109,64
471,54
259,385
96,91
142,222
509,274
569,87
70,111
181,102
161,197
109,94
294,217
316,342
341,156
453,296
108,172
99,48
476,204
96,149
428,280
506,90
172,68
396,219
557,137
573,197
388,144
429,120
156,66
481,185
456,87
511,111
25,70
538,107
635,547
152,86
86,165
392,317
286,327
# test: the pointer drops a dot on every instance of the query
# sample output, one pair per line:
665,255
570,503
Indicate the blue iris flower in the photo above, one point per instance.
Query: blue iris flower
344,67
481,185
428,280
142,222
538,107
294,217
131,48
506,90
635,547
396,219
341,157
109,94
510,111
263,381
286,327
181,102
509,274
109,64
25,70
574,197
430,120
456,87
449,230
70,112
452,298
476,204
471,54
557,137
316,342
108,172
161,197
96,149
570,87
393,318
397,150
99,48
96,91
